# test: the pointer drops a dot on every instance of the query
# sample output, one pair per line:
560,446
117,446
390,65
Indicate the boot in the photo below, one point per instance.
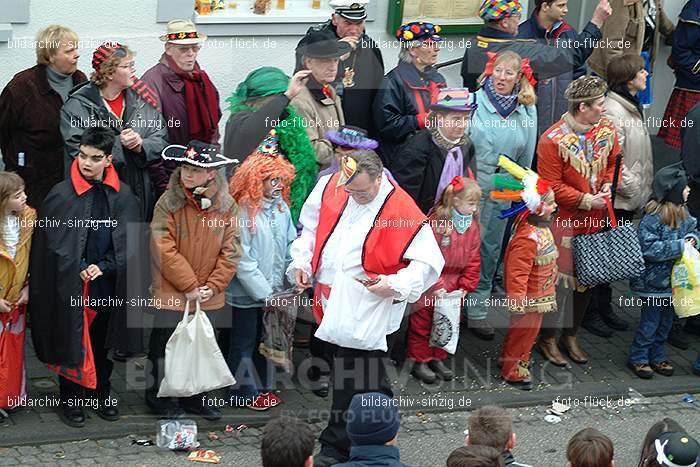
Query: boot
595,325
481,329
549,350
675,337
422,372
611,319
71,415
570,346
439,367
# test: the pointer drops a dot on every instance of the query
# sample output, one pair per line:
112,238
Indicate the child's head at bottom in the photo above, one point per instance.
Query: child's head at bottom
590,448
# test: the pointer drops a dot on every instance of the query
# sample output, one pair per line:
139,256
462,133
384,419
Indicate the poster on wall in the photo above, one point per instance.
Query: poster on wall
454,16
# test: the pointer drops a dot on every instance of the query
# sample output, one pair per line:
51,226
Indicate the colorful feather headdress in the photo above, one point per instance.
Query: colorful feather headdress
526,187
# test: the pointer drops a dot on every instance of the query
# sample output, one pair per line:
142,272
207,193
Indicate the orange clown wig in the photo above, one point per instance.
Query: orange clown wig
246,185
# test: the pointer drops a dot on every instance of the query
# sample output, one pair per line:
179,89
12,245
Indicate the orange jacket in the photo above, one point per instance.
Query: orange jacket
530,269
564,162
192,248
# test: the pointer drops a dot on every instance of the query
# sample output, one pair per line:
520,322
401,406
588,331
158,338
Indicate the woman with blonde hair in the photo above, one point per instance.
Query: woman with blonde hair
505,122
116,100
30,104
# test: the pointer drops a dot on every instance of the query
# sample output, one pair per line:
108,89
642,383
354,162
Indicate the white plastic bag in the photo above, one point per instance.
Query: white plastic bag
193,361
445,331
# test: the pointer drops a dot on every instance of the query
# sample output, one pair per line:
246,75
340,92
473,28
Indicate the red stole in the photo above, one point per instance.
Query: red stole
397,223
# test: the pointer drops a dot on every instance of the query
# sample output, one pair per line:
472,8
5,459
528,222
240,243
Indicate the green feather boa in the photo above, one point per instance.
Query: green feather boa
294,141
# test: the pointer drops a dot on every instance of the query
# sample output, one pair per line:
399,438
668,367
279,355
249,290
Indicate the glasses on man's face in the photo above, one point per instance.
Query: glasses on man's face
183,49
94,158
359,194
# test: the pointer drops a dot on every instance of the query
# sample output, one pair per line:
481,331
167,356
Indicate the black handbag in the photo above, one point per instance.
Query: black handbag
608,256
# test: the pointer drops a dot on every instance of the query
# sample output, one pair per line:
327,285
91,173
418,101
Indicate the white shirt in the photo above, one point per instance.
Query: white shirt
10,234
353,316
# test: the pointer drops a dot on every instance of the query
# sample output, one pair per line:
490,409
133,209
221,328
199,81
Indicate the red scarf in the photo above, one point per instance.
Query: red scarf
202,102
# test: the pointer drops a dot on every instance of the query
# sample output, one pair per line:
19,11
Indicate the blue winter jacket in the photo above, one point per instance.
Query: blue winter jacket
551,102
685,55
265,255
661,247
373,456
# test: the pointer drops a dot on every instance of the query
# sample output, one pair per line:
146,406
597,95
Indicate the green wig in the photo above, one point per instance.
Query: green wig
293,140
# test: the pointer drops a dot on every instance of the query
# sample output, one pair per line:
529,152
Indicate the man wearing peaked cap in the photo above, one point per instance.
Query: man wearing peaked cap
500,32
189,99
361,71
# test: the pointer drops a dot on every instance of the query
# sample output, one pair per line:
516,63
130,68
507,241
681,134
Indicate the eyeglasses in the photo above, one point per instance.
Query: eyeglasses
188,48
129,66
359,194
96,159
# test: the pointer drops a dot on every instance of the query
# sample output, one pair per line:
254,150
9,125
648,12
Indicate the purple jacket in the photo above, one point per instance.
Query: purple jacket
170,89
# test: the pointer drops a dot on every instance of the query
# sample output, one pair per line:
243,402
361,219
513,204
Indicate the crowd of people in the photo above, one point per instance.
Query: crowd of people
379,198
373,424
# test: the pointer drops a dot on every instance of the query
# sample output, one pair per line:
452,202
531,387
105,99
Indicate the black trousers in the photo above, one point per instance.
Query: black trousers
354,372
70,391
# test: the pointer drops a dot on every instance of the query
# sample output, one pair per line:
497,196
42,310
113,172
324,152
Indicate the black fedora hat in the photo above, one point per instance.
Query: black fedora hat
317,44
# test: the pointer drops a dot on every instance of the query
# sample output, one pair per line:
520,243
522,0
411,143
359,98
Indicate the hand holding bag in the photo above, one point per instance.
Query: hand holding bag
193,360
608,256
685,282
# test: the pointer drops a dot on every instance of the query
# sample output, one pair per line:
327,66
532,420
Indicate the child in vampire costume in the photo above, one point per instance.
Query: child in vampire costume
87,217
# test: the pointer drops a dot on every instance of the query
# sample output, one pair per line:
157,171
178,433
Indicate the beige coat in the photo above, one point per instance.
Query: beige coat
319,117
624,32
634,187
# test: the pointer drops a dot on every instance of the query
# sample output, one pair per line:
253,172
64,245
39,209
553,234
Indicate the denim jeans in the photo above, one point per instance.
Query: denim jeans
654,325
252,371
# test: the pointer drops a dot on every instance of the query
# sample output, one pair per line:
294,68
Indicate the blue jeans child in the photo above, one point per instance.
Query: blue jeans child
253,372
655,324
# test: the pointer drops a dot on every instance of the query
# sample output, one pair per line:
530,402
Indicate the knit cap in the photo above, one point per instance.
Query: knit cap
373,419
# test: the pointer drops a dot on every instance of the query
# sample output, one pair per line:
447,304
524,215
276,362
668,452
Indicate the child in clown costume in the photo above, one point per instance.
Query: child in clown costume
530,267
261,187
456,230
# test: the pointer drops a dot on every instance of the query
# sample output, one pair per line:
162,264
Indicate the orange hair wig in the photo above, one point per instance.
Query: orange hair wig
246,185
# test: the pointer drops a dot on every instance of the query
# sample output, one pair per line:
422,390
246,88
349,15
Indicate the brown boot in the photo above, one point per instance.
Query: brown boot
549,350
570,346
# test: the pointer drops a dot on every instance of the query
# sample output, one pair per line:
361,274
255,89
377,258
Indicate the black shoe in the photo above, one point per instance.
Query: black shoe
595,325
440,369
72,416
107,412
676,339
322,386
690,329
422,371
612,320
481,329
522,385
169,411
203,410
